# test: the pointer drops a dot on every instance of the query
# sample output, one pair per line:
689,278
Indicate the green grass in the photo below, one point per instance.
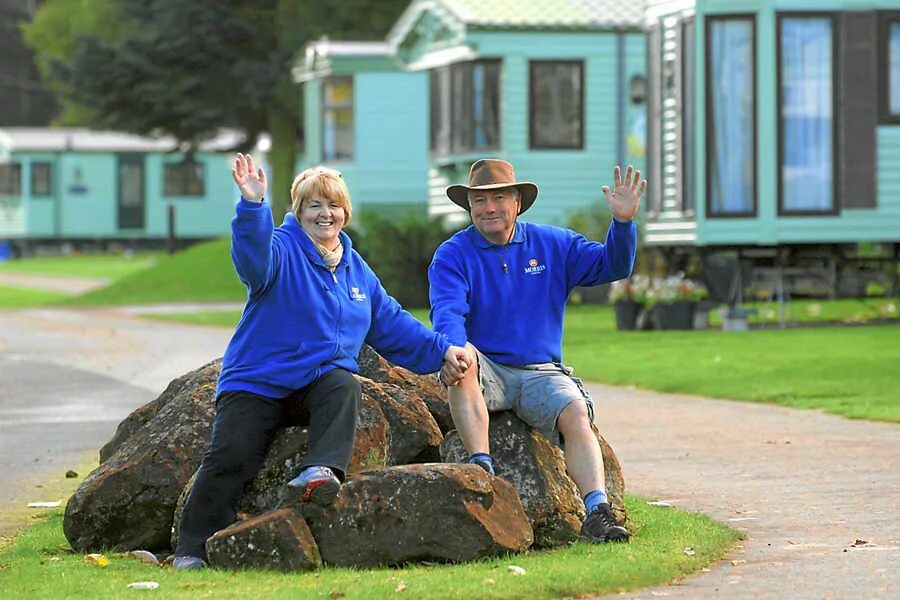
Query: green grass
106,266
202,273
39,564
14,297
849,371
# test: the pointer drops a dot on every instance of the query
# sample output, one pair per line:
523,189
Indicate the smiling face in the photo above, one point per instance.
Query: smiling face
322,219
321,203
494,213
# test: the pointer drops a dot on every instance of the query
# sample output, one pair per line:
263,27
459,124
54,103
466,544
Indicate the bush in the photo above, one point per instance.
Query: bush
400,250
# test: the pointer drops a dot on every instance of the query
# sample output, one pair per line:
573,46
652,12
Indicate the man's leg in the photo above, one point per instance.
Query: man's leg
584,461
469,412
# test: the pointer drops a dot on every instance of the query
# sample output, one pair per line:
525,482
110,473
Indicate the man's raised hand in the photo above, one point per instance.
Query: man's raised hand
250,180
625,198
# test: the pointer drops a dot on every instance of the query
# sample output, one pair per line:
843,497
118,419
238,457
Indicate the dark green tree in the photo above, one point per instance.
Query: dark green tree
187,69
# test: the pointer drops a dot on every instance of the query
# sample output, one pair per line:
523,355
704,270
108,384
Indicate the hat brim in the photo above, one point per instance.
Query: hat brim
528,191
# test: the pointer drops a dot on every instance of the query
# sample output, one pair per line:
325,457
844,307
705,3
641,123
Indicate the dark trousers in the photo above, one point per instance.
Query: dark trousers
244,426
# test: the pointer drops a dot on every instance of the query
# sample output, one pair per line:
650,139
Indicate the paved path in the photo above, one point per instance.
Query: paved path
72,286
803,485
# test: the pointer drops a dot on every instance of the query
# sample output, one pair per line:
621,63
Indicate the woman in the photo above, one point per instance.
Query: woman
312,302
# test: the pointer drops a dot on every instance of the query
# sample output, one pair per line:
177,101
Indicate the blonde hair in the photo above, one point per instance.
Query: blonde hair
320,182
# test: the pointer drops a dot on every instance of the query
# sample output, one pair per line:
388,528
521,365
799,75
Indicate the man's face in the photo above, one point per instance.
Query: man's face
494,212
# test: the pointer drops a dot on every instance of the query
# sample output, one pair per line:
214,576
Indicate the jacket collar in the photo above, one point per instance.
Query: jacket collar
519,236
292,226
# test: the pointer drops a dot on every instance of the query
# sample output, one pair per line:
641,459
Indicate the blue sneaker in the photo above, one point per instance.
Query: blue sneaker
188,563
318,485
483,464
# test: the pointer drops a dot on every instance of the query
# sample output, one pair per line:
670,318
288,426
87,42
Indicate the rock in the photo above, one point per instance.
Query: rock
424,512
537,470
70,474
390,432
425,388
128,501
278,540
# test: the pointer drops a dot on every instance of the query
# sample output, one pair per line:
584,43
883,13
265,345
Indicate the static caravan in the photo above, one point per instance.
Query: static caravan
367,118
554,87
774,131
82,186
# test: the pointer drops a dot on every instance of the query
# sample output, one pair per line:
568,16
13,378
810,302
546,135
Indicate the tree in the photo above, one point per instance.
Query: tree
187,69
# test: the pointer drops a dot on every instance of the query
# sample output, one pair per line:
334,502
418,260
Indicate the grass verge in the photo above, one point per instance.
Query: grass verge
38,564
14,297
107,266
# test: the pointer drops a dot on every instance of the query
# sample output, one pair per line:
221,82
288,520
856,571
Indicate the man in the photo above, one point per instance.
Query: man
500,287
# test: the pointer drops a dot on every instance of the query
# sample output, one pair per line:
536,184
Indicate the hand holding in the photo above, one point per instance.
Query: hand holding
456,362
250,180
625,198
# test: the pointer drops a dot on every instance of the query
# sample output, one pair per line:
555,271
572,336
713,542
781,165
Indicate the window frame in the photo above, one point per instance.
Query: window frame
16,180
688,115
709,20
182,167
886,18
458,104
49,166
835,209
325,106
532,113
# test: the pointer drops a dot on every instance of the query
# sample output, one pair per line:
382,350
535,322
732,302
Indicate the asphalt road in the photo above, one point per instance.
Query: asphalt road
68,377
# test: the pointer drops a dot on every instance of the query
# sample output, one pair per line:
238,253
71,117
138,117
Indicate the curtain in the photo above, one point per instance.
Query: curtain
732,116
894,54
807,168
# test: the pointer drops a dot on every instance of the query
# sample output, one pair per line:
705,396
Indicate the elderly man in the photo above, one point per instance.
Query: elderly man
500,287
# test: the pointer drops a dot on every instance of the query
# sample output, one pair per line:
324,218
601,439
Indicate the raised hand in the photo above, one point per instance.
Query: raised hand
625,198
250,180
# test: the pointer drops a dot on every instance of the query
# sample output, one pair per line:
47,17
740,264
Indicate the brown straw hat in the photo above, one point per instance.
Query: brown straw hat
491,174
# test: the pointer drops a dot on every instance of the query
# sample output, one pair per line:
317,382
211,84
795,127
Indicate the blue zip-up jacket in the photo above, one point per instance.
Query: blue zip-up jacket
301,320
509,300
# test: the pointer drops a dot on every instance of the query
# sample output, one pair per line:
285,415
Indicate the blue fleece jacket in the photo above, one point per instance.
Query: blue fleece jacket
301,320
509,300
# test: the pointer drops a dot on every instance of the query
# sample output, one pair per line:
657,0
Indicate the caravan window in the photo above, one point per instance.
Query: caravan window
465,107
184,179
556,93
41,182
337,119
10,179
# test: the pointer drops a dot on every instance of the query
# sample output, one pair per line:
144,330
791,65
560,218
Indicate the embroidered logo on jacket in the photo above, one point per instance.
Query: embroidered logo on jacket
357,295
534,267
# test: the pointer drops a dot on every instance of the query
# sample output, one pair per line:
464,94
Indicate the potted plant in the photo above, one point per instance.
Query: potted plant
628,297
675,299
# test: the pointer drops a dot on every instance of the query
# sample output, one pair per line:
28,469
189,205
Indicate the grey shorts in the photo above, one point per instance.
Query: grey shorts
536,393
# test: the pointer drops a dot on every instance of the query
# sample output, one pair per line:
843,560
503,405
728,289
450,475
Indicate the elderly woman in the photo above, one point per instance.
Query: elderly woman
312,302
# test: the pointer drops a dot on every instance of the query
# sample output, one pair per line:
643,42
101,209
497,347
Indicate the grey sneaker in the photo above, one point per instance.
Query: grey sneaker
318,485
188,563
600,526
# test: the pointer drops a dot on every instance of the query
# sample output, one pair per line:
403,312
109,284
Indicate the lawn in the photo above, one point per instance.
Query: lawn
14,297
844,370
106,266
667,545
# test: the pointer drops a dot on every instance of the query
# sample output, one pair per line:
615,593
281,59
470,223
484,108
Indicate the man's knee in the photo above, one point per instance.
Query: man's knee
574,418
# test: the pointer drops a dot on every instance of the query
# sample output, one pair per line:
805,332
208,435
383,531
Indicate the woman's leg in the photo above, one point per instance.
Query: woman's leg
333,402
242,431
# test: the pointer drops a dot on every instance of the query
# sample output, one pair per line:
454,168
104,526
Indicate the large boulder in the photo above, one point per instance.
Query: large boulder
425,388
424,512
279,540
128,501
390,432
537,469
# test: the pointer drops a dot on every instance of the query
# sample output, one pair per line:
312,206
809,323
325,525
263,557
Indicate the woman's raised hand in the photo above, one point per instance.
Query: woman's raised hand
250,180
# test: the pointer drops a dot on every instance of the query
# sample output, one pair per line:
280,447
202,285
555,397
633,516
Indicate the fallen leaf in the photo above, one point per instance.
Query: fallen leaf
489,581
659,503
737,562
859,542
144,556
689,551
401,587
70,474
53,504
143,585
336,594
96,559
515,570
